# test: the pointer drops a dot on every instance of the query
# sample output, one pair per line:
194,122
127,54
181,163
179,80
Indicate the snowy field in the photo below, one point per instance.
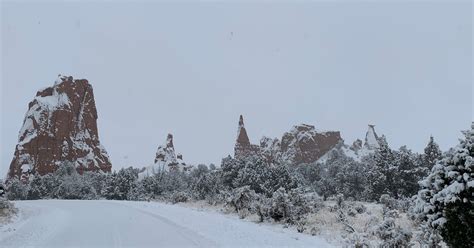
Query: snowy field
71,223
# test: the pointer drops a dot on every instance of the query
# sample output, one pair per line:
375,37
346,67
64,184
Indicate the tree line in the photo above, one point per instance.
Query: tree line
435,188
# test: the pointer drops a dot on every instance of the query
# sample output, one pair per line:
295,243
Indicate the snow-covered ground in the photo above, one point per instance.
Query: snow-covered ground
70,223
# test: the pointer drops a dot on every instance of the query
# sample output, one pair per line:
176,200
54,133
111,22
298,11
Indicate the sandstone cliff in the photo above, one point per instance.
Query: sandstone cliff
60,125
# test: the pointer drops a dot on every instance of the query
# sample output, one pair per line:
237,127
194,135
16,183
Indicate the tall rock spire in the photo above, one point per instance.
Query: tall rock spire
169,141
166,159
371,138
165,154
242,137
243,147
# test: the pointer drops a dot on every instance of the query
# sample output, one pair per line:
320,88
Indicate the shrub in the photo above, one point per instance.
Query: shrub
280,205
241,200
7,209
177,197
392,235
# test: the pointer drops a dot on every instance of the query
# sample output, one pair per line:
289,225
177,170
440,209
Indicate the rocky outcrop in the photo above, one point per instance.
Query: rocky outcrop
60,125
165,155
356,145
371,143
166,159
302,144
358,149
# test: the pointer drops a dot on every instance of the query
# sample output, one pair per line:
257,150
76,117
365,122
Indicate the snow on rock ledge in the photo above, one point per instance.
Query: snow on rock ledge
60,125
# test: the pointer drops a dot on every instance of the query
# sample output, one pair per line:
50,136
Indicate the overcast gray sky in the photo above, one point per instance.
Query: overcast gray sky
192,68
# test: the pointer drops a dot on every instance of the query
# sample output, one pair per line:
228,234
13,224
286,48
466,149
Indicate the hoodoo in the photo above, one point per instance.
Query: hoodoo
243,147
166,159
371,138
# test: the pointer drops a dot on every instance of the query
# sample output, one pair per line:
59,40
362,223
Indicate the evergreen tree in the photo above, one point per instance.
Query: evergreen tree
230,169
381,171
207,185
431,155
110,190
281,177
16,189
355,174
199,170
406,173
150,187
37,189
255,174
446,200
126,179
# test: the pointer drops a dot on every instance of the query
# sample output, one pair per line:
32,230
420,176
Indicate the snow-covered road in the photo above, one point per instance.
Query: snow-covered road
58,223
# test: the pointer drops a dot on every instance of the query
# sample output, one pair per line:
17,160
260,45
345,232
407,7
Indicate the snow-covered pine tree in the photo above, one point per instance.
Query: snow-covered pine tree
255,174
205,186
351,178
340,174
37,188
150,186
230,169
431,154
446,200
110,191
406,173
125,182
137,192
280,177
16,189
199,170
380,176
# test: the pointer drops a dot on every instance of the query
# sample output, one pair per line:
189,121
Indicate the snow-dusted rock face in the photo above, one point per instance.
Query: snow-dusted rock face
302,144
60,125
358,149
166,159
372,142
165,154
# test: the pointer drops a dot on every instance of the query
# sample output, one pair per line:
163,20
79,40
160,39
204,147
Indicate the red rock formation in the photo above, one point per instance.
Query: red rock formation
60,125
243,148
303,144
